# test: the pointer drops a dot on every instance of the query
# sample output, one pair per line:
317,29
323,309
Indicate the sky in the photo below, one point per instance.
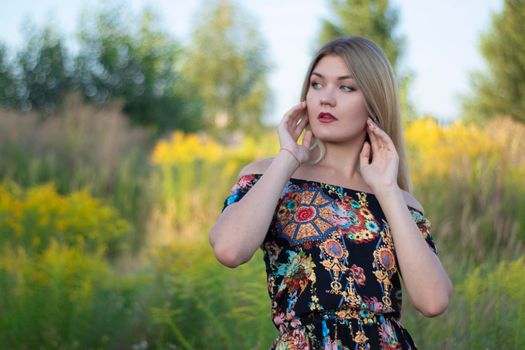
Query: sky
442,40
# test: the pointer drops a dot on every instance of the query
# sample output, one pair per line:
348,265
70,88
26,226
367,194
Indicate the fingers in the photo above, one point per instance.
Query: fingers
379,137
307,139
299,127
373,139
364,156
295,120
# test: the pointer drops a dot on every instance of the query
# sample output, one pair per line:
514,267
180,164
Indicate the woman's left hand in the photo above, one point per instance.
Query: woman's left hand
380,173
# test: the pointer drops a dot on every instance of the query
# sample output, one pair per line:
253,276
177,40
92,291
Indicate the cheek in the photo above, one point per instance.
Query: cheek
310,103
309,96
358,107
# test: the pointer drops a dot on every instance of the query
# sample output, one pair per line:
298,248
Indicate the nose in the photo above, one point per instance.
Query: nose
327,99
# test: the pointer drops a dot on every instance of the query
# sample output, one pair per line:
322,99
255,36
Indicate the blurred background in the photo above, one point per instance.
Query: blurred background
124,124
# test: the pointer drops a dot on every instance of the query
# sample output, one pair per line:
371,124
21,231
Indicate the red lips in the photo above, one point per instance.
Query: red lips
326,117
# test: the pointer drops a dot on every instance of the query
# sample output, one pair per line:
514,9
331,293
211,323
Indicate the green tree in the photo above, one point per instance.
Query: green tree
376,20
500,90
133,59
227,64
7,80
42,75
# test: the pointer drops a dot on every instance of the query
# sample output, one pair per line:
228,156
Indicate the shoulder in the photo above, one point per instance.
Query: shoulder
257,167
411,201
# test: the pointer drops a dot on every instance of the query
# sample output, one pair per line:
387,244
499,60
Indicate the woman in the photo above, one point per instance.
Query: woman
334,214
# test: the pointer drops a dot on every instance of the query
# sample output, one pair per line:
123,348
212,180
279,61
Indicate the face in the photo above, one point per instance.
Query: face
333,93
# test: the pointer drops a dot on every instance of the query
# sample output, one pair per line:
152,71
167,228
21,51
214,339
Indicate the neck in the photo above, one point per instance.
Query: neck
342,158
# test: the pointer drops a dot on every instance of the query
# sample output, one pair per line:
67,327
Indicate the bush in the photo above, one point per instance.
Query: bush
35,217
64,298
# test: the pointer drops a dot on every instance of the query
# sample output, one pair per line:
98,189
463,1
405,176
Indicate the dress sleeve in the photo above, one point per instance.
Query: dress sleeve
240,188
424,227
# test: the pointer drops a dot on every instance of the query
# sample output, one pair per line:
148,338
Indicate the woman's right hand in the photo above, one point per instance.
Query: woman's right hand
290,127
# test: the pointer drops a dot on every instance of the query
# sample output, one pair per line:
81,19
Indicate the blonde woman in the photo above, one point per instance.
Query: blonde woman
334,214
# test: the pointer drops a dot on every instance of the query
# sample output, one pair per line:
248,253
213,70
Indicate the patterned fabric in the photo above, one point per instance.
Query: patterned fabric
331,266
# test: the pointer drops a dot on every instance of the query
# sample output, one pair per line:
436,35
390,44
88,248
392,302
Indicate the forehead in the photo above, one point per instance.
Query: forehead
331,65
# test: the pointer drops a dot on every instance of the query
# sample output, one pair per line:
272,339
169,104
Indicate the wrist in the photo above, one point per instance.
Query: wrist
289,155
386,191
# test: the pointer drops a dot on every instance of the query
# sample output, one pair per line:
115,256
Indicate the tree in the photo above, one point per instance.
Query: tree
42,76
227,65
500,90
375,20
129,58
7,80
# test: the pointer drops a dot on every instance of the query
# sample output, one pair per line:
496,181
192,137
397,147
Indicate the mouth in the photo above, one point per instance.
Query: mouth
326,117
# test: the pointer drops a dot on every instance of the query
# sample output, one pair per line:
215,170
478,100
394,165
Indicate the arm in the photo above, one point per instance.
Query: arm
242,226
427,284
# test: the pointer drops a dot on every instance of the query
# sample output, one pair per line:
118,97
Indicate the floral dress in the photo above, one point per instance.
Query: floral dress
332,271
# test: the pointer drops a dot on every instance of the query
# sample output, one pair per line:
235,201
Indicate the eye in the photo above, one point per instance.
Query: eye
315,85
347,88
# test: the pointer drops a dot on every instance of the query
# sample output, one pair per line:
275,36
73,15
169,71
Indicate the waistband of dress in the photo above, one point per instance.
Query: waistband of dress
350,313
290,321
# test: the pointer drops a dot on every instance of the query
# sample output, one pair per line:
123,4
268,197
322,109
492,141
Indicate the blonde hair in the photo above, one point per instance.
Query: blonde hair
375,77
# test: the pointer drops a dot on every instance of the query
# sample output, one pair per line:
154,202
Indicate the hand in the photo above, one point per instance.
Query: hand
289,129
381,173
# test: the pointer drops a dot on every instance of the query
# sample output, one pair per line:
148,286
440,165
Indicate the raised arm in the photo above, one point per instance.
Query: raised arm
426,281
242,226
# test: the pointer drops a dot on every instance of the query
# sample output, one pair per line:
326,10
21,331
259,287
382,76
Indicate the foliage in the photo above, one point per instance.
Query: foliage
62,149
193,172
7,79
373,19
58,288
469,178
34,218
486,311
43,77
498,91
136,63
181,147
65,298
202,300
227,64
120,56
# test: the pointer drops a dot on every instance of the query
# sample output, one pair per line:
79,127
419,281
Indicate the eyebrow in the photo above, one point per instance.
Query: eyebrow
339,78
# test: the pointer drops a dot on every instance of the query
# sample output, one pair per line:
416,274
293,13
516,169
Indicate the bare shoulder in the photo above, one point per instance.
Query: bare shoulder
411,201
257,167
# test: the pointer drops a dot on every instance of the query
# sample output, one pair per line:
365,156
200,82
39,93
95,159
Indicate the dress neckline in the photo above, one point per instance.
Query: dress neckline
323,183
347,189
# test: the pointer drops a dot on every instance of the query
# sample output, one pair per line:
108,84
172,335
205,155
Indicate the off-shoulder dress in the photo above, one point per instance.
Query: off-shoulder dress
332,271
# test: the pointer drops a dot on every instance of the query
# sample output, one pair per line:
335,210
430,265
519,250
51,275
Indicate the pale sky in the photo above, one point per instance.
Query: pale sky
441,40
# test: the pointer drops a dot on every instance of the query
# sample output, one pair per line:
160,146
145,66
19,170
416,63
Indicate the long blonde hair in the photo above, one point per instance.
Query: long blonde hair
375,77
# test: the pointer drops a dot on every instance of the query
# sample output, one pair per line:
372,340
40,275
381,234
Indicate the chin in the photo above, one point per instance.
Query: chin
335,137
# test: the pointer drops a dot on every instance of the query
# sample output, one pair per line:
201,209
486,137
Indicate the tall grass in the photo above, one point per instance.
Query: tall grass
470,180
57,288
82,147
487,311
192,175
205,306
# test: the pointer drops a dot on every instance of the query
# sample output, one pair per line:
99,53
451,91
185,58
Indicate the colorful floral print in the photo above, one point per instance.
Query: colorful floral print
306,215
297,272
331,266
